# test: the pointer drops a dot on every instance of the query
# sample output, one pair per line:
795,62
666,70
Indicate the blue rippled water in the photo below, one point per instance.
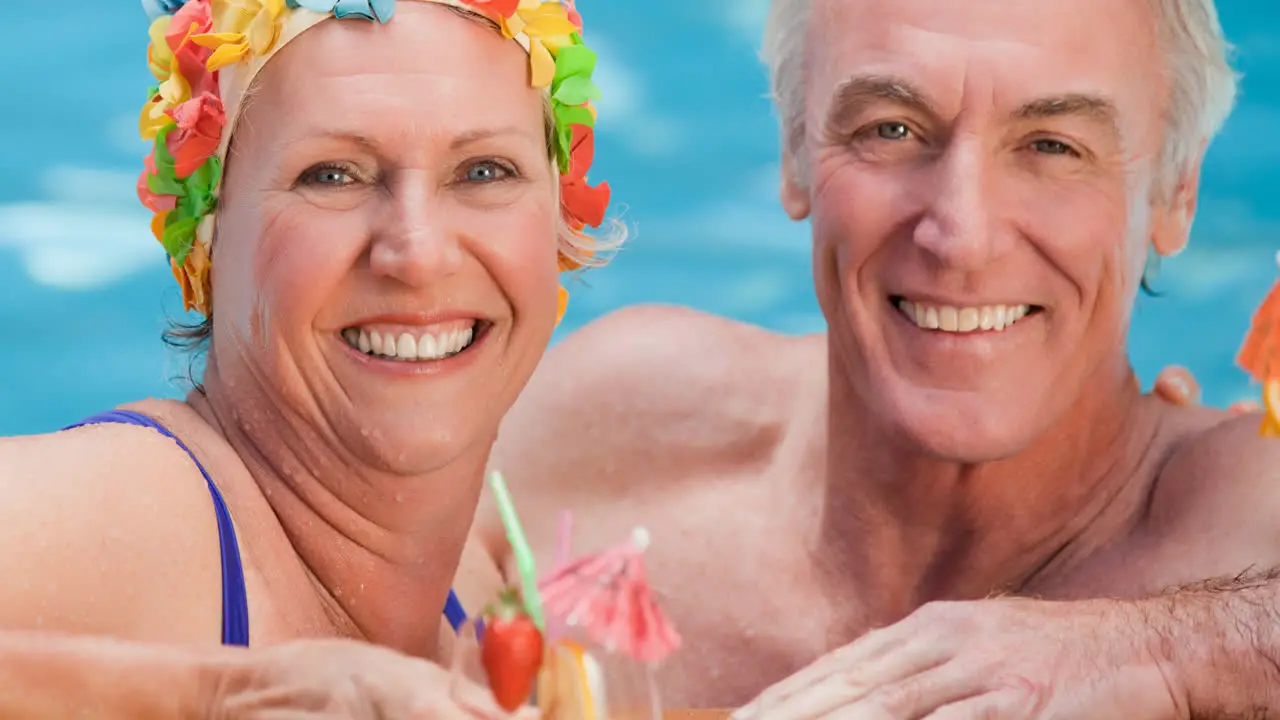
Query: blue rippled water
687,141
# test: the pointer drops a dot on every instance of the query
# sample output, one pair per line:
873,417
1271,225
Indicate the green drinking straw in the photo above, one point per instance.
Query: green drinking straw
519,548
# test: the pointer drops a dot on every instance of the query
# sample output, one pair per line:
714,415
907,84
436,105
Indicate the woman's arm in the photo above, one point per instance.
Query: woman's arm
63,676
66,676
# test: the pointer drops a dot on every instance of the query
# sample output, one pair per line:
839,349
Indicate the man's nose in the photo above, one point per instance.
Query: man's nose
959,226
416,242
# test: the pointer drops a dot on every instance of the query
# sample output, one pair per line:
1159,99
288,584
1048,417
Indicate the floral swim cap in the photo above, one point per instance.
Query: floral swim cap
206,53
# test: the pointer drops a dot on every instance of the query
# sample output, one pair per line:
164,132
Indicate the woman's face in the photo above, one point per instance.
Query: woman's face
385,260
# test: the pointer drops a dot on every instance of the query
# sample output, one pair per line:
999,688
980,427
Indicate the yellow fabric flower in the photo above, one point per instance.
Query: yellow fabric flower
548,28
562,303
172,92
193,274
159,55
243,27
193,277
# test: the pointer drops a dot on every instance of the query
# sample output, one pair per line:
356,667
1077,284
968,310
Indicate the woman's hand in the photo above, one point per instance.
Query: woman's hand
315,679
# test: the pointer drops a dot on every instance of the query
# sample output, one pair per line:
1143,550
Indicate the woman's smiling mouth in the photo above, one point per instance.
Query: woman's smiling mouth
410,344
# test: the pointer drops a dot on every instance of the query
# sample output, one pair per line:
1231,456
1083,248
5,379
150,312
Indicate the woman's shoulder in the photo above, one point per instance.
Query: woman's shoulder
113,455
106,528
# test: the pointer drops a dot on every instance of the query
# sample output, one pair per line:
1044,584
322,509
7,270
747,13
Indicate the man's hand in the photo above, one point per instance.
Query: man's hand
1177,385
1011,658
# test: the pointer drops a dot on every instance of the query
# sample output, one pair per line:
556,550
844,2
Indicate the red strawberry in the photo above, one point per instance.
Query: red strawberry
511,651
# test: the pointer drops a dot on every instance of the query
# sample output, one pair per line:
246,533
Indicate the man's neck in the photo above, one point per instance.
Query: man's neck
381,548
901,529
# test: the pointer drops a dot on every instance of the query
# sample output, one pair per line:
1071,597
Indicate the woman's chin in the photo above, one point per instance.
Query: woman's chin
416,445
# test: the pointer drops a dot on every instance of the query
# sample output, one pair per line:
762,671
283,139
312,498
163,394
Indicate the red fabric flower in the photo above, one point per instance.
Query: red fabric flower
194,18
199,130
583,203
155,203
498,8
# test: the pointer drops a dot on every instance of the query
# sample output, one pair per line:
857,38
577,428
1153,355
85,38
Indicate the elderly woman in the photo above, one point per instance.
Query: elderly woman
377,208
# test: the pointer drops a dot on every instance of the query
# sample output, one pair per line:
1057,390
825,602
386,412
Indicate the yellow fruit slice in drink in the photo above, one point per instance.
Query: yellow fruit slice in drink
571,684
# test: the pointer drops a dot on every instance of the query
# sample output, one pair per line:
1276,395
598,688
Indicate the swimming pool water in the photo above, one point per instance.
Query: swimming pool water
686,140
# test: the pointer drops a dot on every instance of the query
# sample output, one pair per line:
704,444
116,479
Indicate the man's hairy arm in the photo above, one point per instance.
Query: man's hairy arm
1206,649
1221,640
1221,637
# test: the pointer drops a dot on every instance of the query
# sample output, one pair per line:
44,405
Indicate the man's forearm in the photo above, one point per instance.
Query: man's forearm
60,676
1221,642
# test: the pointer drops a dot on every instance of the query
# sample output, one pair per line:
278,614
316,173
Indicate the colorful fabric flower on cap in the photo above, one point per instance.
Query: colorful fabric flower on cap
379,10
204,55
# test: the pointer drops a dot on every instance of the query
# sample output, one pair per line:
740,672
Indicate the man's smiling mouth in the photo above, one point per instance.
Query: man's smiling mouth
967,319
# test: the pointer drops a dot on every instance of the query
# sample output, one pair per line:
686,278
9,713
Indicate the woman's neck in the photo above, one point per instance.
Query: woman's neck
381,548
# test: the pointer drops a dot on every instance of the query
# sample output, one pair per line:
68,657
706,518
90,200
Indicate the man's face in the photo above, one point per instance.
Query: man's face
980,183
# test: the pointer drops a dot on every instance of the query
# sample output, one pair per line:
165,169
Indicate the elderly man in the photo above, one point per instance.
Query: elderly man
965,460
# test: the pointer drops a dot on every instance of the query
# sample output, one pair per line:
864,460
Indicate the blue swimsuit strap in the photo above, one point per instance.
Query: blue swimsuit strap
235,602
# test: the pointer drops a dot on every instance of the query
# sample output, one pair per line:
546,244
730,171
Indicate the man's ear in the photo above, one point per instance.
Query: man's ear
793,193
1171,224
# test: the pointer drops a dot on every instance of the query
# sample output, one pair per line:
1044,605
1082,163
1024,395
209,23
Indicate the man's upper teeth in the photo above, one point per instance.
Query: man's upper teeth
963,319
407,346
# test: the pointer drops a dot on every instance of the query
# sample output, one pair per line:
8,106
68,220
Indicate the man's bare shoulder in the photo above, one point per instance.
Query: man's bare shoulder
651,357
102,512
650,379
652,403
1217,493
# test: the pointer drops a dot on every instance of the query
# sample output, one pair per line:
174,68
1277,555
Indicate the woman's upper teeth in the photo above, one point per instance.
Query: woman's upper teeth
404,345
962,319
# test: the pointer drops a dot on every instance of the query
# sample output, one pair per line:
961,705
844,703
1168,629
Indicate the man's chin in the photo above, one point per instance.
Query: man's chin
963,427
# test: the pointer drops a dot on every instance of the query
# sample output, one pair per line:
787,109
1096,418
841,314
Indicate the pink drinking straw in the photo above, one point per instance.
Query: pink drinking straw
564,539
564,550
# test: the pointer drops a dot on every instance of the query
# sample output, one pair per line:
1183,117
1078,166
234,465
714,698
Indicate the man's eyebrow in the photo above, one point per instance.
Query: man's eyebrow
1092,107
854,94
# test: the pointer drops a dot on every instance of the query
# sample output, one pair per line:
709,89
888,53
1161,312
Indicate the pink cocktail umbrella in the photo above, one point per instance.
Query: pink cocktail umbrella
607,595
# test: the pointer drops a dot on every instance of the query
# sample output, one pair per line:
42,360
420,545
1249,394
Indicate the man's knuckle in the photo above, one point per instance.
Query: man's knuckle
1030,693
896,701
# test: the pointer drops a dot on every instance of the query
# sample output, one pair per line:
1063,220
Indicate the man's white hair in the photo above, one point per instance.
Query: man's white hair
1202,84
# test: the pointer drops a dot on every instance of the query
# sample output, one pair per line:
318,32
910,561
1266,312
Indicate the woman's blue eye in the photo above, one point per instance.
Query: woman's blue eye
483,172
326,175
